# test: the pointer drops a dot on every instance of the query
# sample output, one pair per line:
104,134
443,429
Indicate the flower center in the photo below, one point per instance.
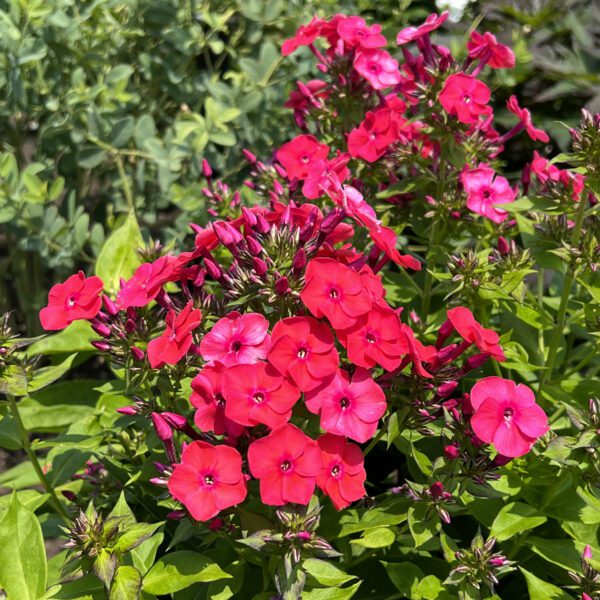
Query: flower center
236,346
373,136
302,353
374,68
286,465
344,403
258,398
508,414
209,480
71,301
336,470
219,400
486,194
371,338
333,293
305,159
467,99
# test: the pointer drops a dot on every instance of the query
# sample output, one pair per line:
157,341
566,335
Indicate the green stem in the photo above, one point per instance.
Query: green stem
125,183
564,301
428,276
58,507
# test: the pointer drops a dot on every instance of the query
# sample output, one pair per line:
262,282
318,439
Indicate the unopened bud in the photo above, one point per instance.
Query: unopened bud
137,353
163,430
503,246
110,306
282,285
251,158
101,345
206,169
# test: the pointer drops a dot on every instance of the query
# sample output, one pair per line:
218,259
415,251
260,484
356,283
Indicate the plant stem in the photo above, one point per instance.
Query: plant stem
16,415
125,183
428,276
564,301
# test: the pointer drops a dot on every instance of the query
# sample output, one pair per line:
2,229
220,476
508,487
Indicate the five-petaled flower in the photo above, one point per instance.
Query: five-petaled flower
486,340
300,155
485,190
465,97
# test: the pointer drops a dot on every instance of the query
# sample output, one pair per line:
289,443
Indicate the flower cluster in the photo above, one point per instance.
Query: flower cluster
279,313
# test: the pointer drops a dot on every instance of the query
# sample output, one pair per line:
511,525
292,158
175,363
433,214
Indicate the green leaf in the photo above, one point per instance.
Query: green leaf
75,338
325,573
127,584
90,157
143,555
118,257
136,534
23,568
376,538
227,588
119,73
332,593
423,523
121,132
541,590
515,518
179,570
13,380
104,567
405,576
47,375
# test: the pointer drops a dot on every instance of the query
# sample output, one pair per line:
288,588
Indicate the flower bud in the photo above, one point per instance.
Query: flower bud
447,388
206,169
503,246
251,158
130,326
101,329
451,452
249,217
254,246
299,261
130,411
260,266
109,305
101,345
176,421
282,285
163,430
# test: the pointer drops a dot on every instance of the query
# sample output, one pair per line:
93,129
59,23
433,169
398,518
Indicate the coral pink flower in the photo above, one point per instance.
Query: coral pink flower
418,352
378,68
77,298
525,120
258,394
375,339
304,350
373,136
410,34
465,97
506,416
208,479
237,339
343,474
146,282
385,239
349,408
486,48
175,341
335,291
484,190
356,33
207,398
471,331
300,154
305,36
543,169
325,175
287,463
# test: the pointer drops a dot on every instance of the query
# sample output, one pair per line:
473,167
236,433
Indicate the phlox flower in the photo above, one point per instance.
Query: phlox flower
207,398
418,352
335,291
237,339
300,154
76,298
287,463
506,416
525,120
465,97
146,283
351,408
371,139
305,36
486,47
385,239
375,339
325,175
431,23
485,190
304,350
175,341
208,479
356,33
378,68
258,394
342,476
471,331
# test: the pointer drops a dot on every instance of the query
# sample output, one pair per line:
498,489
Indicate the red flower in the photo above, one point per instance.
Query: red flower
343,474
77,298
543,169
525,119
208,479
287,463
176,340
304,350
375,339
378,68
349,408
506,416
471,331
465,97
146,282
356,33
301,154
335,291
371,139
237,339
419,353
325,175
305,36
258,394
486,48
485,190
209,402
385,239
410,34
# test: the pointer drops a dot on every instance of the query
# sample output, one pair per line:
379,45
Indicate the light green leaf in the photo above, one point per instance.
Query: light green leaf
47,375
331,593
179,570
541,590
515,518
376,538
127,584
75,338
23,568
325,573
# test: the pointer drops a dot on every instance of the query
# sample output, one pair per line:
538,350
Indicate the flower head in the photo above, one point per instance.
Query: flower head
77,298
506,416
465,97
342,476
258,394
525,119
484,190
287,463
350,408
470,330
208,479
237,339
486,47
378,68
170,347
304,350
431,23
146,282
300,155
373,136
356,33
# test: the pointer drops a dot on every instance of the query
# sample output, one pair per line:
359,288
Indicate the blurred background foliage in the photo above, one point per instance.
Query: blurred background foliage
109,107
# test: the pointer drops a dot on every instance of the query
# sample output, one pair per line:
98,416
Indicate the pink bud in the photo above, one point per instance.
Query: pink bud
249,217
130,326
254,246
228,235
251,158
111,307
282,285
130,411
262,225
447,388
101,345
175,420
474,362
497,561
212,268
69,495
163,430
451,452
206,169
299,261
503,246
101,329
260,266
280,171
437,490
587,552
137,353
